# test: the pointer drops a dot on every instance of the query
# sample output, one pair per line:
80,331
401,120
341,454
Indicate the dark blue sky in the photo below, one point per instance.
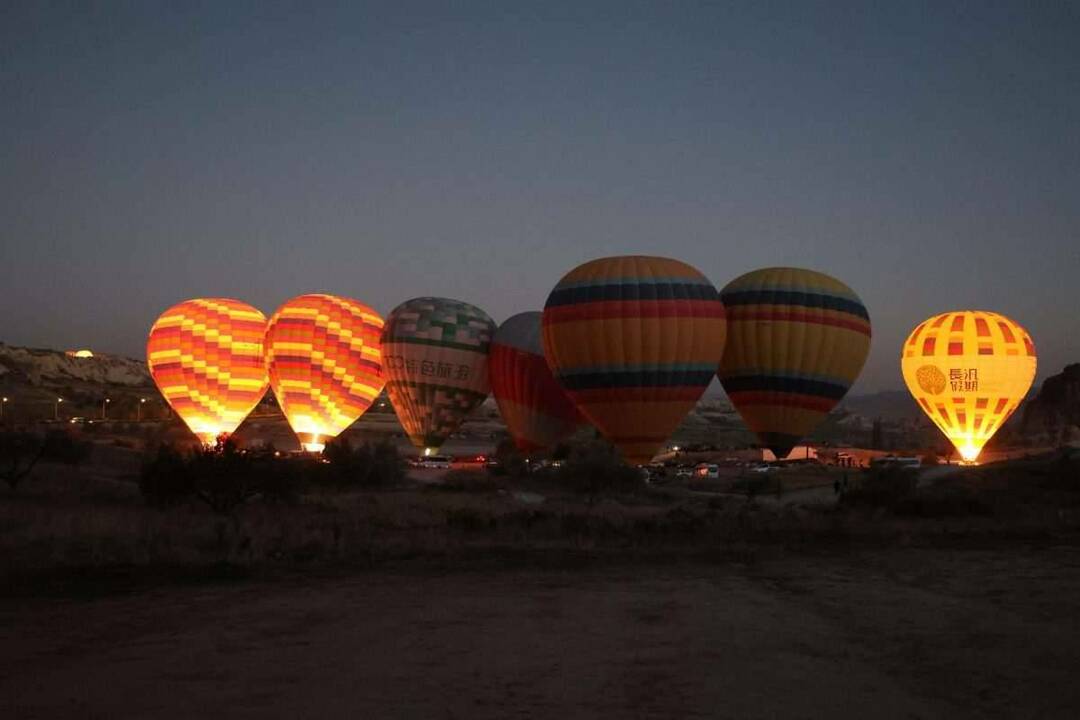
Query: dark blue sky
926,154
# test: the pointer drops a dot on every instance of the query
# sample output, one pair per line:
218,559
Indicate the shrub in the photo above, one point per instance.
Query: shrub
387,465
596,468
223,477
19,452
61,446
227,476
166,479
1063,474
369,465
947,500
754,485
883,487
468,481
511,461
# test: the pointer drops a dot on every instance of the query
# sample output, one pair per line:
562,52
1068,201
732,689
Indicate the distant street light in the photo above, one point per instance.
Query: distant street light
104,404
56,408
141,401
2,404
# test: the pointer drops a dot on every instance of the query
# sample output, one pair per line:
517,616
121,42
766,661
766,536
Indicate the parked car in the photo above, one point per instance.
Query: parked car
684,471
706,471
465,462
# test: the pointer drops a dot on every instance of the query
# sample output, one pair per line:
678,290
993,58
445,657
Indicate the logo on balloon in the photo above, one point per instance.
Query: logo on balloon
931,379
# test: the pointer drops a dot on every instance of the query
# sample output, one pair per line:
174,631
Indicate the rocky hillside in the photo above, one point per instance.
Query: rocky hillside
51,368
891,405
32,379
1054,413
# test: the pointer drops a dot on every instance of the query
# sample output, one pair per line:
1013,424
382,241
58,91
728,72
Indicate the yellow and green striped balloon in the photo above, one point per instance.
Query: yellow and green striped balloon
797,340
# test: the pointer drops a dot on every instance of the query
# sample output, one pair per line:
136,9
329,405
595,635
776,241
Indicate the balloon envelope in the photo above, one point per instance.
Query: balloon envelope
206,357
797,340
968,370
537,411
324,358
436,358
635,341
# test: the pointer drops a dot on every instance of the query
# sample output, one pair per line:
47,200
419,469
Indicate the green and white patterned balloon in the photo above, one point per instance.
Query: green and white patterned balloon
435,354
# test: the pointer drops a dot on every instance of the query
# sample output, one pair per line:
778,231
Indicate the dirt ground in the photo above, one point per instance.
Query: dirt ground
902,634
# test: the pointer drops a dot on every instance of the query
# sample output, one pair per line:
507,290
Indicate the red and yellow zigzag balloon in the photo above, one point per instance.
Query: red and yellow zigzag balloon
324,358
206,357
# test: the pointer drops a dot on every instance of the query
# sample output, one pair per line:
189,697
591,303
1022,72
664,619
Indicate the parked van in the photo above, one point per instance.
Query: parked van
892,461
441,462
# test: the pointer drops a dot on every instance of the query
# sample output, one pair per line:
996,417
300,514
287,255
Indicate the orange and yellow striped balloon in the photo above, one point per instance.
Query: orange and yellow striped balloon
324,357
969,370
634,341
206,357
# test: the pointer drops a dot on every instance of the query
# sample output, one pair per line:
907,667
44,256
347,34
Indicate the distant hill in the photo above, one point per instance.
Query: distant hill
32,379
890,405
49,368
1053,414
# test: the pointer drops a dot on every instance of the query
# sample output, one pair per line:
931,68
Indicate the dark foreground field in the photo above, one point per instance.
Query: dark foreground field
950,595
889,634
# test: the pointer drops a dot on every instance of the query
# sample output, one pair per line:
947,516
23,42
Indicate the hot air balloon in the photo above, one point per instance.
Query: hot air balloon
537,411
797,340
436,354
206,357
968,370
635,341
324,358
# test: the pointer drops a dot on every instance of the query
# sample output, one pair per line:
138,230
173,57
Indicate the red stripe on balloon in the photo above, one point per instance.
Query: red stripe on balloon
633,308
736,315
638,394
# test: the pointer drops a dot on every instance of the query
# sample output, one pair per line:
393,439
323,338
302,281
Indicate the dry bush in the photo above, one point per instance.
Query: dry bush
479,481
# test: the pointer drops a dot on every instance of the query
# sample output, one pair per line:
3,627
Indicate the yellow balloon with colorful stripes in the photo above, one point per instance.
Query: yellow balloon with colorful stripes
324,357
797,340
969,370
206,357
634,341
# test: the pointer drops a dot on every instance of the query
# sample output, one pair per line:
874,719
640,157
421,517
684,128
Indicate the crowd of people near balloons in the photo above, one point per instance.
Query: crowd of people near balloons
628,344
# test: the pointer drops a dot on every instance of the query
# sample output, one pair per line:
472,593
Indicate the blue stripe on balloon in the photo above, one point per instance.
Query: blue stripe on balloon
783,373
633,280
792,297
782,384
632,290
637,367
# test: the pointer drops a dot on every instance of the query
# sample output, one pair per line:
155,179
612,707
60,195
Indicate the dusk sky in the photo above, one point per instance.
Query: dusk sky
926,154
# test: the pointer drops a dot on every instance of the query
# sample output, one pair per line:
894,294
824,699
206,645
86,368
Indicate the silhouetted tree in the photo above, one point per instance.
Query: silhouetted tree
19,453
511,461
